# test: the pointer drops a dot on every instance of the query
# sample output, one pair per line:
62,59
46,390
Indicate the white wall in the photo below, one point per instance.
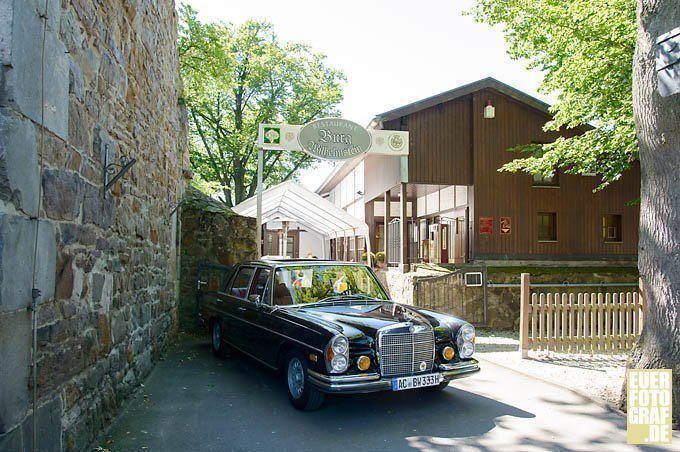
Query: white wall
311,241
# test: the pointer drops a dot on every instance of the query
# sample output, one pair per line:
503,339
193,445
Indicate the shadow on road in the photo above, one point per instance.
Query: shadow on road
195,401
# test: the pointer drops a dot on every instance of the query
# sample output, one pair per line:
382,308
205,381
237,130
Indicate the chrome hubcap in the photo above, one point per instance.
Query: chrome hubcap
216,337
296,378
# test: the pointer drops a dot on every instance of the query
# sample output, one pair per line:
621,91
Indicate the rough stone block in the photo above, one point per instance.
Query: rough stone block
12,441
16,242
26,62
15,350
65,279
47,260
75,233
62,194
49,427
17,236
5,32
79,124
76,82
19,152
97,210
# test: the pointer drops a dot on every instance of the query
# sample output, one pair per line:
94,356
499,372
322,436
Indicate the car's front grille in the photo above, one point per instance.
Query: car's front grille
403,353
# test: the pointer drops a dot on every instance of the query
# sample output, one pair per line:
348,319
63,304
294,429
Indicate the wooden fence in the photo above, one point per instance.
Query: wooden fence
579,322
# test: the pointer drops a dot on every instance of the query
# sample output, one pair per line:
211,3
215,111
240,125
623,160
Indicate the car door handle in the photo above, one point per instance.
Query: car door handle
240,308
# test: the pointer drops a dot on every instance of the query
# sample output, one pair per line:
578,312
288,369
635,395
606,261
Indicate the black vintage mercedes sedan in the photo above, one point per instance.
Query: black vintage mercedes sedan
331,328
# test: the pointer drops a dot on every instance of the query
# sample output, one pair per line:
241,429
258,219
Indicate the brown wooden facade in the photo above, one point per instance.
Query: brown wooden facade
452,144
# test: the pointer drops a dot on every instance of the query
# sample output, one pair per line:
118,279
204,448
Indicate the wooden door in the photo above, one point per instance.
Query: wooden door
459,240
444,243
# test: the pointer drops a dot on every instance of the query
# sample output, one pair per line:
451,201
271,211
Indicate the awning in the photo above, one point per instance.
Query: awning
291,201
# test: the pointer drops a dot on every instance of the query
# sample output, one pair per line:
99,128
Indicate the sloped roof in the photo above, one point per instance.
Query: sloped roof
290,200
488,82
446,96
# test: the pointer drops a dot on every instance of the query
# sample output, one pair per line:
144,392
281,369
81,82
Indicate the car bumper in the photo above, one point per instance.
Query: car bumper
356,384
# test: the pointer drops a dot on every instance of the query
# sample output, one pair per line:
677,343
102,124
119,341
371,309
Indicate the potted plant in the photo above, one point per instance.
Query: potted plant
364,258
380,259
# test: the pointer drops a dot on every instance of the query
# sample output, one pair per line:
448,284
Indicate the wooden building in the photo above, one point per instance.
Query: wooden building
457,207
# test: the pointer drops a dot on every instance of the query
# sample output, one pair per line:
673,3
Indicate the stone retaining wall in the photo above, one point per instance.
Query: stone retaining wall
106,268
502,302
210,233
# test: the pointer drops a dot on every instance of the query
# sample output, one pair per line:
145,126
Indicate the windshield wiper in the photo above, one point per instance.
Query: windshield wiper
340,298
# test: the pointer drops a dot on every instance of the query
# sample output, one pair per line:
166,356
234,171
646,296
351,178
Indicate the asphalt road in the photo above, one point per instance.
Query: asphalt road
193,401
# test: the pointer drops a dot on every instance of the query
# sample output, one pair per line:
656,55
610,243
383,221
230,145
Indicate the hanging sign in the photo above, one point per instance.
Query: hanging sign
506,225
486,225
332,139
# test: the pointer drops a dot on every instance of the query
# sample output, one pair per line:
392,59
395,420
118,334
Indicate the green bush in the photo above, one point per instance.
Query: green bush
364,258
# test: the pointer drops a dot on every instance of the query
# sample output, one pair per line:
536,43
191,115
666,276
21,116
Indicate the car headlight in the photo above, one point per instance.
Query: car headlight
340,345
337,354
467,332
466,349
339,363
465,340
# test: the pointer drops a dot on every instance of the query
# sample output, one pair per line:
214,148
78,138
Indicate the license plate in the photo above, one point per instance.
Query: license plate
416,381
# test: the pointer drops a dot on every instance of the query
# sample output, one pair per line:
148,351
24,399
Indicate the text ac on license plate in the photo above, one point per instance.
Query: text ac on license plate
417,381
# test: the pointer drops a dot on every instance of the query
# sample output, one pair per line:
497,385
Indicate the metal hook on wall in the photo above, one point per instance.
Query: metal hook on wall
115,169
177,206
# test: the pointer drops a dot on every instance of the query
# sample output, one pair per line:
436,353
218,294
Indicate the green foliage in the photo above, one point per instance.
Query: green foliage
364,258
585,50
236,78
358,279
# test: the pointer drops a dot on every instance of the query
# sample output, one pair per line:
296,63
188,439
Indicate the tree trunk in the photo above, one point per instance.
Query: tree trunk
658,131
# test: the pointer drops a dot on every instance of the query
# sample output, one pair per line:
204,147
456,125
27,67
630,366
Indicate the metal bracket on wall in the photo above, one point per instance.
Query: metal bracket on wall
115,169
177,206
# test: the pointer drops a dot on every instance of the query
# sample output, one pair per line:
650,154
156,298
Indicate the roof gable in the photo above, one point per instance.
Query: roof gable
461,91
291,200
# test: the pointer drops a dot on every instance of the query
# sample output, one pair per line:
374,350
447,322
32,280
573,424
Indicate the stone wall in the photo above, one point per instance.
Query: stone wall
502,302
106,77
210,233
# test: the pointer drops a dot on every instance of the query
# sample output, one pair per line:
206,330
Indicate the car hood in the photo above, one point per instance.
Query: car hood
365,319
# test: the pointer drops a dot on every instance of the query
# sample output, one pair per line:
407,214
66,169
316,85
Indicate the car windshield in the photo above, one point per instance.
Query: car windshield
311,283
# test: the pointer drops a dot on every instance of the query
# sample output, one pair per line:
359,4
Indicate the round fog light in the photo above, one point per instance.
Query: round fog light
339,363
447,353
467,349
364,362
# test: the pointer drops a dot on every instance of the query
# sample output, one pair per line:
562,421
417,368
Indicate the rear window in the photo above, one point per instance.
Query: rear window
239,287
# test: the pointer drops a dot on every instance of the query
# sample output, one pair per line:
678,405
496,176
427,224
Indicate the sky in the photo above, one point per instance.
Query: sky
392,52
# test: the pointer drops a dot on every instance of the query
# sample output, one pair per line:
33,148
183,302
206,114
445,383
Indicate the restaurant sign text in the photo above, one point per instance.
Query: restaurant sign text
333,139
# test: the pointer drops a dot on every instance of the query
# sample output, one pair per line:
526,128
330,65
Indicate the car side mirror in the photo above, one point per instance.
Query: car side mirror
255,299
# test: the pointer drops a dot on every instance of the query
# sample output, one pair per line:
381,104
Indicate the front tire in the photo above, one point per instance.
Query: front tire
216,343
302,395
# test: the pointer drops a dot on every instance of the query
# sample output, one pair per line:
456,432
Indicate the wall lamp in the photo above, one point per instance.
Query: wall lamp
489,110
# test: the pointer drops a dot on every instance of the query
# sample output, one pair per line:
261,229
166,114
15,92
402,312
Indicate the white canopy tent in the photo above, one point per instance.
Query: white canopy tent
290,200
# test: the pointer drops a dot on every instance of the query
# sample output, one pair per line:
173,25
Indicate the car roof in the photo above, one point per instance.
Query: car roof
293,262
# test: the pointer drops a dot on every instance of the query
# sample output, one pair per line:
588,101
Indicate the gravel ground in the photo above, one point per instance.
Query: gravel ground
599,376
